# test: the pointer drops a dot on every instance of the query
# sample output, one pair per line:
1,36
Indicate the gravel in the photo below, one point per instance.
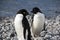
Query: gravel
52,32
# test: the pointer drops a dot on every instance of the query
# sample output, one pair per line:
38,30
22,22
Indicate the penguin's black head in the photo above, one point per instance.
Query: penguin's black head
23,11
35,10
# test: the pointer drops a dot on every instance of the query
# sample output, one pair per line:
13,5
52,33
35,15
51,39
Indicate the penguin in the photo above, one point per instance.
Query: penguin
21,25
38,23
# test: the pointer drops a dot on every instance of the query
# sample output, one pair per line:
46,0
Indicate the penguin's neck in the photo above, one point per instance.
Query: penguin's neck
38,13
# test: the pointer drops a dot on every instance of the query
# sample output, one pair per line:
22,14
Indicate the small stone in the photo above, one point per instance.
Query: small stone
43,33
47,36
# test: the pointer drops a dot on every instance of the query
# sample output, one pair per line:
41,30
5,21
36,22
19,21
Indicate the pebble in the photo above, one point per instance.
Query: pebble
52,32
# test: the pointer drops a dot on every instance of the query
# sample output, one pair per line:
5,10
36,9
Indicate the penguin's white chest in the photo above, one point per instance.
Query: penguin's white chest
18,26
38,23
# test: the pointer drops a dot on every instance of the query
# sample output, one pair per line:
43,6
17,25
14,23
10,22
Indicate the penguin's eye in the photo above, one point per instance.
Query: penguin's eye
23,12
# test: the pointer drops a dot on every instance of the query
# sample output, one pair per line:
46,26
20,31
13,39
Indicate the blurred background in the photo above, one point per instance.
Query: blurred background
48,7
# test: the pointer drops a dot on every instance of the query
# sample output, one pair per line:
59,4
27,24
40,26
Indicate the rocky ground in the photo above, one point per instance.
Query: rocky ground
52,32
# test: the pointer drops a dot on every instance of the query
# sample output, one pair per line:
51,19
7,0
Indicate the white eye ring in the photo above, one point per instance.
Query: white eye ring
23,12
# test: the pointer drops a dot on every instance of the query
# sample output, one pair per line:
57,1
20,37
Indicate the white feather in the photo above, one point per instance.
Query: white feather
38,23
18,26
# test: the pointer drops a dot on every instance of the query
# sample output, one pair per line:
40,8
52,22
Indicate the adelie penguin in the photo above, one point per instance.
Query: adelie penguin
21,25
38,21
